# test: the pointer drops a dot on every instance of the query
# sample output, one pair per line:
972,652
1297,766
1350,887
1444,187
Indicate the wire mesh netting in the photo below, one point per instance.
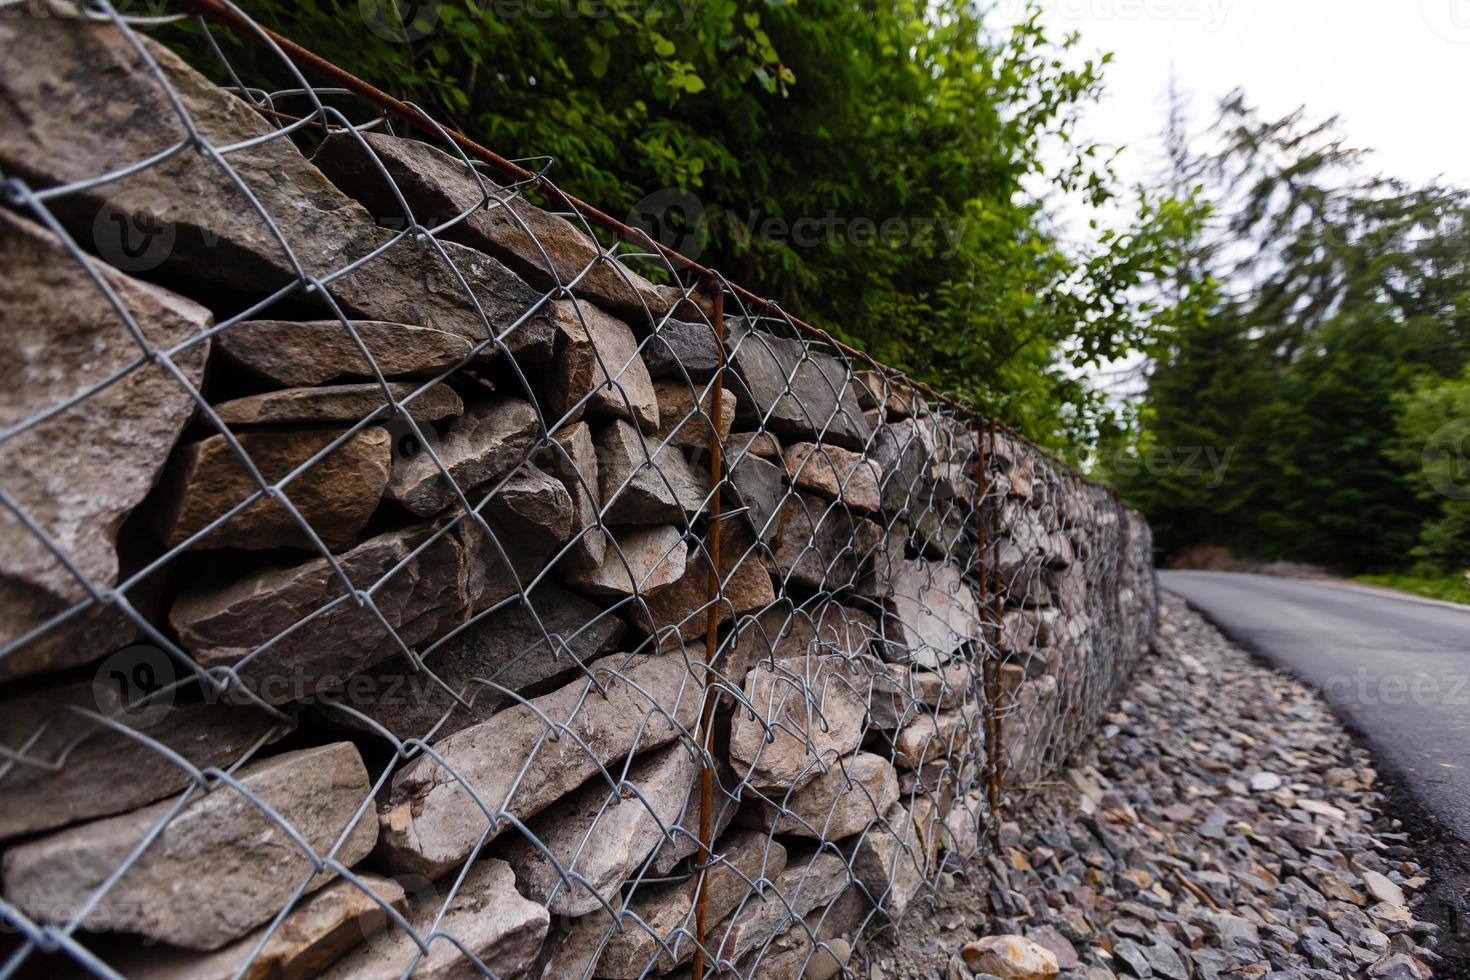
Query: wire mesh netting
408,570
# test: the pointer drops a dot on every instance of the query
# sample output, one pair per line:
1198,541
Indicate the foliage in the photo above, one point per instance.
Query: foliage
1314,301
1449,588
1434,426
864,164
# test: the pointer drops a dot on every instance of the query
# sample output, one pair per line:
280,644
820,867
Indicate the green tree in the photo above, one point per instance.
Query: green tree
1434,426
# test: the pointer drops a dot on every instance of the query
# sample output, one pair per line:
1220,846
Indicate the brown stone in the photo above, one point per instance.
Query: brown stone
532,508
573,461
1010,958
545,249
76,768
597,368
336,495
839,803
762,444
488,441
681,424
812,709
438,587
78,474
896,399
758,487
600,834
339,403
194,896
930,736
431,821
485,916
679,614
835,474
319,930
312,352
640,561
643,483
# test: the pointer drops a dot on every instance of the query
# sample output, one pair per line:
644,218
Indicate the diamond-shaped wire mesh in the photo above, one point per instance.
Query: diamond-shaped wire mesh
407,571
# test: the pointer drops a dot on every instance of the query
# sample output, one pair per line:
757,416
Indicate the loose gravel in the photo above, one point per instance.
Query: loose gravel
1223,825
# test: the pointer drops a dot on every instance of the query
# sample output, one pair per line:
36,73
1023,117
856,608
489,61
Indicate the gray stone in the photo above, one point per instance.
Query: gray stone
875,390
488,441
336,495
318,931
1134,957
888,859
800,716
835,474
933,612
201,897
534,510
573,461
639,561
339,403
78,768
80,473
805,884
844,801
431,821
543,248
902,453
487,918
799,392
516,648
758,486
643,482
215,235
741,857
822,545
932,736
436,589
681,351
763,444
597,369
600,834
294,353
783,631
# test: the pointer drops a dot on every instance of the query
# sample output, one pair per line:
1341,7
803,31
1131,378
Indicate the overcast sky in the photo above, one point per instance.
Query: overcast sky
1398,71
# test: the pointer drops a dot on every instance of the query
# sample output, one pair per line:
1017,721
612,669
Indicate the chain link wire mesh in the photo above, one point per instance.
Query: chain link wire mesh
410,572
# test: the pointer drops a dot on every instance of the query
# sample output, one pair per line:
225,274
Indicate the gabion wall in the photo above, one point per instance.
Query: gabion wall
405,574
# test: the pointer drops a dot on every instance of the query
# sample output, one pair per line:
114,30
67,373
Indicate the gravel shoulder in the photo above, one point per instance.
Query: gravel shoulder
1222,825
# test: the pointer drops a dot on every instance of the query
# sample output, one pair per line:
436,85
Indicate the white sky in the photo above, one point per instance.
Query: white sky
1397,71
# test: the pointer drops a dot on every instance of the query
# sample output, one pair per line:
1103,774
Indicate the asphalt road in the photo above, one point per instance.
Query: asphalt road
1396,668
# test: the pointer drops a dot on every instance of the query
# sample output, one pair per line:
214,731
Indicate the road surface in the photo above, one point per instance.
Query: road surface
1396,668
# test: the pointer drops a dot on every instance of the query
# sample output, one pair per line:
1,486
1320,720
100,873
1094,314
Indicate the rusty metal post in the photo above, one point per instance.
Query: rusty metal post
991,672
711,641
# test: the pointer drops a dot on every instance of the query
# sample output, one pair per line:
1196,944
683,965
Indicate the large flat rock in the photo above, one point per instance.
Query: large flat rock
219,868
78,474
76,768
800,716
596,368
340,403
680,613
489,440
66,69
823,546
431,820
484,928
423,589
933,612
844,801
544,248
336,495
517,648
600,834
798,391
644,482
294,353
